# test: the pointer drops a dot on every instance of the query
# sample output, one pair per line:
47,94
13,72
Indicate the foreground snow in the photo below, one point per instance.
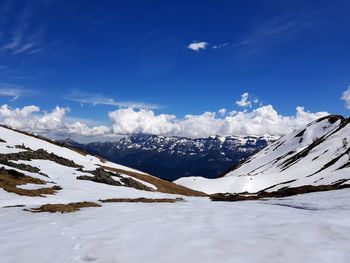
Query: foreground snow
306,228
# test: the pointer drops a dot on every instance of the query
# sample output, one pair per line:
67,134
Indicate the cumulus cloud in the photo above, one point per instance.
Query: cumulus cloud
260,121
28,117
346,98
127,121
31,118
197,46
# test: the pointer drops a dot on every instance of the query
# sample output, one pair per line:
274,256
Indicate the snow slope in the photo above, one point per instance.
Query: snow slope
313,228
306,228
60,175
315,155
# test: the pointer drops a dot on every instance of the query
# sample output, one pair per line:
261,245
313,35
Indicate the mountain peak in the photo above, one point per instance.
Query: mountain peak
315,155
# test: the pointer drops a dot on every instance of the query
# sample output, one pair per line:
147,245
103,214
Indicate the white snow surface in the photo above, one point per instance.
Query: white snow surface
266,168
313,228
306,228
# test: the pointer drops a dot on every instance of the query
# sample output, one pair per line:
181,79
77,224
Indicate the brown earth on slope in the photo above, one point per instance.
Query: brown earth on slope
162,185
284,192
10,179
142,200
63,208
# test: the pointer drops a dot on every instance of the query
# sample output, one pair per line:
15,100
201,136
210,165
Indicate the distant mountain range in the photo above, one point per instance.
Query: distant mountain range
315,156
173,157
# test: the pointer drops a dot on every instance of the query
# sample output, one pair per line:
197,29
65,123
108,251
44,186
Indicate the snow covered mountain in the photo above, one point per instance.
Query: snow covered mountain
137,218
34,170
173,157
319,154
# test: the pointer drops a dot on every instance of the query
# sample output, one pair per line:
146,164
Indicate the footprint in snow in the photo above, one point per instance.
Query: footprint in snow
88,258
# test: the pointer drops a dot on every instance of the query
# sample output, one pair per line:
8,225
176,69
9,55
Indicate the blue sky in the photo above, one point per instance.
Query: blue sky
97,56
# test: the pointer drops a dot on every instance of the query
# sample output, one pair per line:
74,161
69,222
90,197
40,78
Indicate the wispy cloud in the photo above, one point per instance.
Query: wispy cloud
274,30
13,91
97,99
220,45
23,37
23,44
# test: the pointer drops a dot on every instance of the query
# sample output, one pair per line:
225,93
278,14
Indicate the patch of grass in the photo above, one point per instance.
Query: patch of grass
10,179
142,200
63,208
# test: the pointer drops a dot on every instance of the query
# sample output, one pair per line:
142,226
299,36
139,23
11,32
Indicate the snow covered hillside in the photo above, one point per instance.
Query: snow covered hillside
123,225
316,155
311,228
35,171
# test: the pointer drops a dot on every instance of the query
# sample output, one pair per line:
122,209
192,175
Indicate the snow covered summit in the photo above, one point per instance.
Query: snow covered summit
316,155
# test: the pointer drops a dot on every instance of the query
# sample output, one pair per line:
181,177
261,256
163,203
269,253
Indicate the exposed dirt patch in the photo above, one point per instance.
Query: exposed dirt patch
40,154
331,118
22,146
10,179
142,200
63,208
333,161
299,155
23,167
162,185
106,177
284,192
1,140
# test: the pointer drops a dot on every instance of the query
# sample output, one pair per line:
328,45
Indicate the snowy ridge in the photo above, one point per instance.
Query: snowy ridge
183,146
315,155
170,157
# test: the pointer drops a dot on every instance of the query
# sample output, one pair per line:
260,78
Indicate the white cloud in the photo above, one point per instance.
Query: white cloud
127,121
97,99
9,90
244,101
17,46
263,120
222,111
17,118
24,48
346,98
49,120
260,121
33,119
220,45
82,129
197,46
29,118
